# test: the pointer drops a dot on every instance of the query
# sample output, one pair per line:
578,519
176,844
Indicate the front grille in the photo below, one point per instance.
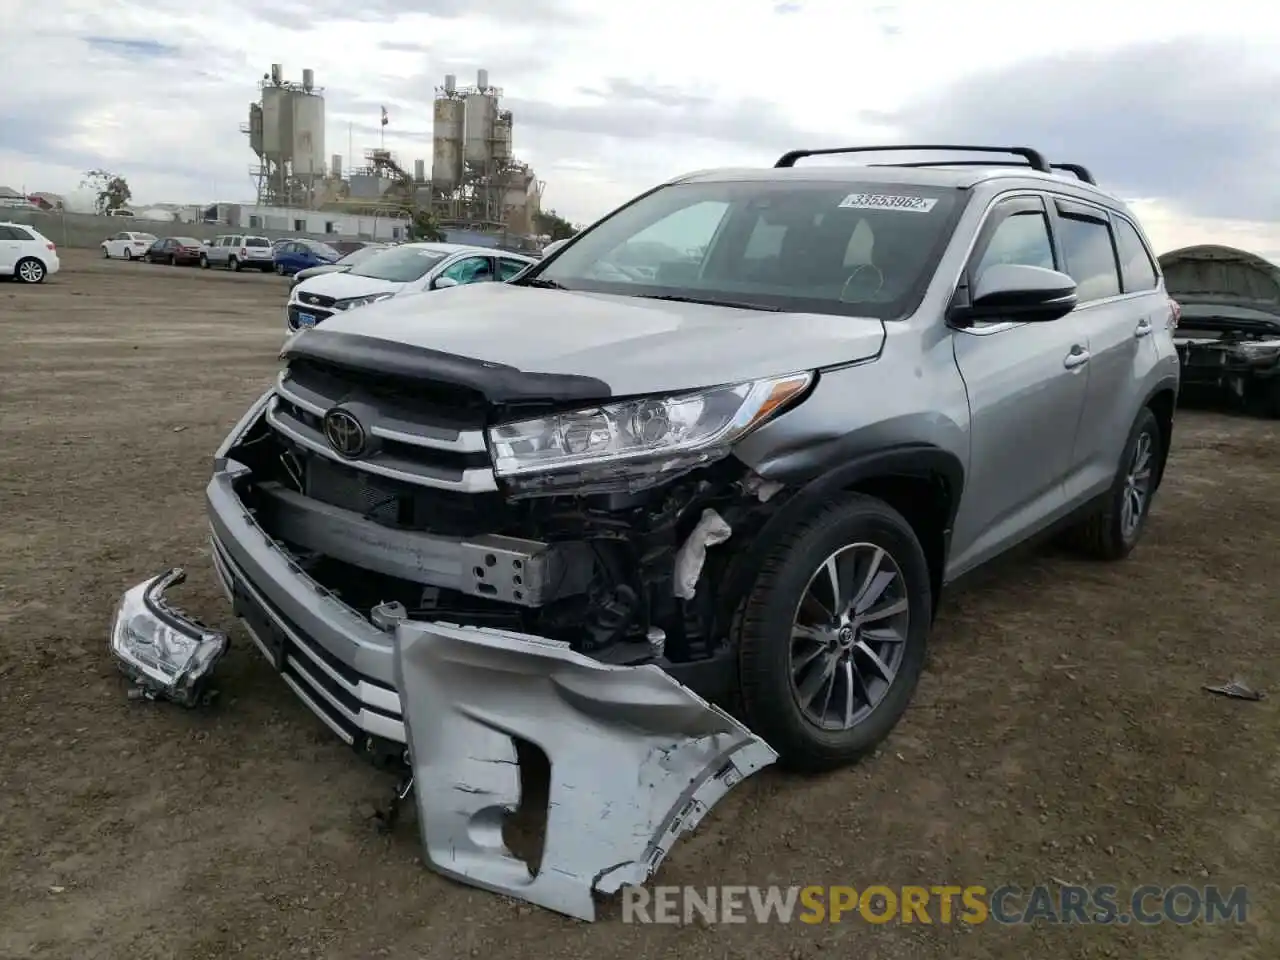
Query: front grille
294,311
431,442
316,300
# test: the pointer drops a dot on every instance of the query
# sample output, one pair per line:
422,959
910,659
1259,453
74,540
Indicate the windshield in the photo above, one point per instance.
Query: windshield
322,249
857,249
257,242
360,256
398,264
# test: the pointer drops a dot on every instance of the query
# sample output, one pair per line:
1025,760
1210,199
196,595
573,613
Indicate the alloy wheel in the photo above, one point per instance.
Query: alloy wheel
849,636
1137,486
31,271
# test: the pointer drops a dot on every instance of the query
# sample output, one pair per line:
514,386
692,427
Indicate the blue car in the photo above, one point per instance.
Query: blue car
294,255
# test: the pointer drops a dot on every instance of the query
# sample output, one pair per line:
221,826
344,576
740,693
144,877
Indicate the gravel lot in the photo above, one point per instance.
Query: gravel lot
1060,732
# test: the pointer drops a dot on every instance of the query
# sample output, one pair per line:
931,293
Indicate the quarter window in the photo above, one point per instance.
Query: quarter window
1136,268
1090,256
1021,238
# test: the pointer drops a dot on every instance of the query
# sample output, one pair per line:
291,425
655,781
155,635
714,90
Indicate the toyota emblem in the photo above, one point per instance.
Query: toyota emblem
344,433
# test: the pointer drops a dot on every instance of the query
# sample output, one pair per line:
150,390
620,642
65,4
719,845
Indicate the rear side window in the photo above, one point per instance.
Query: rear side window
20,233
8,233
1136,267
1090,256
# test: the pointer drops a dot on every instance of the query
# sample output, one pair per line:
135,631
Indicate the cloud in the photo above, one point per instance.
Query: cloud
1188,119
610,99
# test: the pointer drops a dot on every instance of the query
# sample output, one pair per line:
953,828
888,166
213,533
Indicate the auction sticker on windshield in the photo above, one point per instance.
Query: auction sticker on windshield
882,201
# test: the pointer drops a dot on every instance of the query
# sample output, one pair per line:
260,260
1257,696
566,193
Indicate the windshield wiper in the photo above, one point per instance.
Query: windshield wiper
710,302
543,284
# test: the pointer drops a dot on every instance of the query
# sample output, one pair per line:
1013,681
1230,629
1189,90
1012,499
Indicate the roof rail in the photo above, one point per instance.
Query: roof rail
1080,171
1033,157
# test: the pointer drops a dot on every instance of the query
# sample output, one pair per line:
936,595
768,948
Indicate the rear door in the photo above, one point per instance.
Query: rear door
1118,323
10,249
1027,384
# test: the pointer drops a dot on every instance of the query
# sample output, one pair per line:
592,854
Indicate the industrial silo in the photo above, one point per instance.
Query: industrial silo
449,115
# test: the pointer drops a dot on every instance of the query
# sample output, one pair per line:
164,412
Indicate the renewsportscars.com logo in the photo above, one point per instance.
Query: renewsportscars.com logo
1104,904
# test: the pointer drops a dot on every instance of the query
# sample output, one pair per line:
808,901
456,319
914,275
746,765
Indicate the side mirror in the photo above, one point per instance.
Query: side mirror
443,283
1021,293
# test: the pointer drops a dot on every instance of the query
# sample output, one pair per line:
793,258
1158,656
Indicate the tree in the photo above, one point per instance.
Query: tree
553,225
425,228
111,191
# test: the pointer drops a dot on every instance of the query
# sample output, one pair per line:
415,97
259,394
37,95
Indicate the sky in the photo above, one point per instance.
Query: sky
1171,105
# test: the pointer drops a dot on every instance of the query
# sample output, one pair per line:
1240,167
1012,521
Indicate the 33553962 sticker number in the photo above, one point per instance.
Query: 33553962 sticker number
886,201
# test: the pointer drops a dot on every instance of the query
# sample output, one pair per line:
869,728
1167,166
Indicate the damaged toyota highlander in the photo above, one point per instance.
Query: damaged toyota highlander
726,446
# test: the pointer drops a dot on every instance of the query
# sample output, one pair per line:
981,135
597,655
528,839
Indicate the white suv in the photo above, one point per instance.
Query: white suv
238,252
26,254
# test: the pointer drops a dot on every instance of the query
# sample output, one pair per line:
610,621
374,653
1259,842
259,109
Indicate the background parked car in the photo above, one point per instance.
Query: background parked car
409,268
174,251
298,255
237,251
351,246
356,256
26,254
127,245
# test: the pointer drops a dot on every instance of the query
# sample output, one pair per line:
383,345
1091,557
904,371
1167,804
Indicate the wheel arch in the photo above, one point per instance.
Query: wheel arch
921,481
1162,400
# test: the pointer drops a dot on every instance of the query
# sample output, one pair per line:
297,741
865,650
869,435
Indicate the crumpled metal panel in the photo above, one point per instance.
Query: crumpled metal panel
637,759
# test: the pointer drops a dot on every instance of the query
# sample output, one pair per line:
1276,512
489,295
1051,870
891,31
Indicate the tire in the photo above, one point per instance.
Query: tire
233,265
280,269
1108,534
204,262
128,254
173,260
29,270
106,254
790,588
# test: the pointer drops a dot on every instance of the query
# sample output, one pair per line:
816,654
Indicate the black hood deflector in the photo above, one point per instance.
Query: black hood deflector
498,383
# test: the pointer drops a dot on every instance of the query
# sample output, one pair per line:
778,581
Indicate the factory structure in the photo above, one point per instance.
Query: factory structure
473,184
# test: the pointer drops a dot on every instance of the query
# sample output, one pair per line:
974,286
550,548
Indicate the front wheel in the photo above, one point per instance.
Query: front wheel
106,254
832,635
204,262
173,260
128,254
280,269
1115,529
233,265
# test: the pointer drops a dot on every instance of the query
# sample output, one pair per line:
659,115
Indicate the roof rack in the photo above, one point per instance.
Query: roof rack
1033,157
1080,171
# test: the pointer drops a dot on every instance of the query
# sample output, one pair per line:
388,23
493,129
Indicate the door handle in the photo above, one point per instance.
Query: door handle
1078,357
1144,328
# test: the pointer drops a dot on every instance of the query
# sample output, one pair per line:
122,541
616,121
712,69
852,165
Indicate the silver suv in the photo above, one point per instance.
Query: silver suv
737,436
238,252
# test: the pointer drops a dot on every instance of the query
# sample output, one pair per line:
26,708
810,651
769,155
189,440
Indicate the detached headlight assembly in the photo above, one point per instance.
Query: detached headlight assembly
635,444
166,653
353,302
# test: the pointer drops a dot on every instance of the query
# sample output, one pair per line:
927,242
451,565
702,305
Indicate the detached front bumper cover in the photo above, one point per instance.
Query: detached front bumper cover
636,758
165,652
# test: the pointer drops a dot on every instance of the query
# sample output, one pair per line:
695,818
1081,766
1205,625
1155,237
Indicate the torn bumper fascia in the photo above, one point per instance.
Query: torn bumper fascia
164,651
636,759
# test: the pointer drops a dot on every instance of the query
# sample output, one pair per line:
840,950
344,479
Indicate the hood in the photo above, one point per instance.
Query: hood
633,346
320,270
341,285
1214,275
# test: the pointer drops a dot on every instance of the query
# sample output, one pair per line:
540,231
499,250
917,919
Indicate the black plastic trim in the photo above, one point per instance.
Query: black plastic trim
498,383
1033,157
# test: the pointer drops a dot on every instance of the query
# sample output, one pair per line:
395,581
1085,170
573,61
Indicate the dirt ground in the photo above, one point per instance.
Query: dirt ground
1060,733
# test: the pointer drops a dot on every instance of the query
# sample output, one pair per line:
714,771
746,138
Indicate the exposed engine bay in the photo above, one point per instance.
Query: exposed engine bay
615,575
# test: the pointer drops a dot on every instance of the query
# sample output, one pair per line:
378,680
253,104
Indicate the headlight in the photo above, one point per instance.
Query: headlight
353,302
635,443
166,653
1256,349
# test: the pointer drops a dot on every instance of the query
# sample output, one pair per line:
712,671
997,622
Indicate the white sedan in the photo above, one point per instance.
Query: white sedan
127,245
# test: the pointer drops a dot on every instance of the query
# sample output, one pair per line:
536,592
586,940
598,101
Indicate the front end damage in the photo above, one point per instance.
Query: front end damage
435,600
